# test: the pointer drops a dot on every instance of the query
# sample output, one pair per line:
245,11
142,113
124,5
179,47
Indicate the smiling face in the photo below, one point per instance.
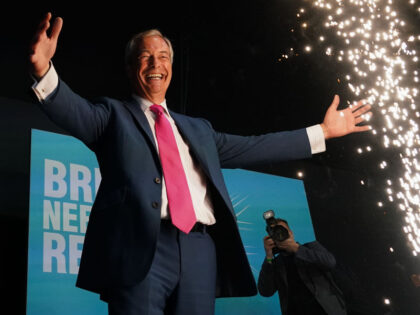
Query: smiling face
153,70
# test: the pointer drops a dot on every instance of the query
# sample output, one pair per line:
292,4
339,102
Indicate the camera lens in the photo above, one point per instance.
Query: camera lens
279,233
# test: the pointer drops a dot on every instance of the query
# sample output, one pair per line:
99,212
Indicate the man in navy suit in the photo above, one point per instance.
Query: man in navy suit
133,255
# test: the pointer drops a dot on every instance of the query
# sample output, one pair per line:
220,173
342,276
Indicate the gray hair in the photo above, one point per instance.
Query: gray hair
131,49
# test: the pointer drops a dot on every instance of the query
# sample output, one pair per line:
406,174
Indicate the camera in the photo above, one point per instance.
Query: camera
277,232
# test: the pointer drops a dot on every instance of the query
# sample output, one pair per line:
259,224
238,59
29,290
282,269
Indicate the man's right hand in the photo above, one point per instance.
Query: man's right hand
268,246
43,46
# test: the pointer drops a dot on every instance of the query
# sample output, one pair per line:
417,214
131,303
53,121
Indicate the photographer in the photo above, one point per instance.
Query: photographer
300,274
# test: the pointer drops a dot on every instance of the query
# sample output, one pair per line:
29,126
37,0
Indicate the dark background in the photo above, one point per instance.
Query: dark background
226,69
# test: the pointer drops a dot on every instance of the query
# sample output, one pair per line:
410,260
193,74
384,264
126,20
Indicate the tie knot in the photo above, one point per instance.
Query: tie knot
157,109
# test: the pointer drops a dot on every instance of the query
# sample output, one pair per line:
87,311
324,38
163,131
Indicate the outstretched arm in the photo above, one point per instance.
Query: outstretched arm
338,123
43,45
78,116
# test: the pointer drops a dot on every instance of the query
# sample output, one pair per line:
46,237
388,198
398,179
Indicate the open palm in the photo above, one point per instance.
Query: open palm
338,123
43,46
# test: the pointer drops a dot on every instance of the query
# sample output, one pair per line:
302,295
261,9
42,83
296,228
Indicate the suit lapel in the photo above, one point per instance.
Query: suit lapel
181,122
141,119
198,141
190,135
184,128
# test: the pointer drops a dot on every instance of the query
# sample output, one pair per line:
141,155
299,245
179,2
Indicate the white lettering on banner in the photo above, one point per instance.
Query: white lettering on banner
83,182
54,246
67,217
52,214
54,176
71,214
84,217
62,248
80,178
55,250
75,252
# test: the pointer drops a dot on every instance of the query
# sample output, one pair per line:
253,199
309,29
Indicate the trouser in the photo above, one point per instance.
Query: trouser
181,280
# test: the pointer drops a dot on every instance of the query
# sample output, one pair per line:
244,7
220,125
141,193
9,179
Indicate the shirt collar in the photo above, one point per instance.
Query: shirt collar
145,103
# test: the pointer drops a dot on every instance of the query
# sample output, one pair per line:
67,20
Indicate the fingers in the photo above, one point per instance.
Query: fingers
362,118
45,23
361,113
268,242
362,128
41,31
56,28
359,104
335,102
358,120
359,109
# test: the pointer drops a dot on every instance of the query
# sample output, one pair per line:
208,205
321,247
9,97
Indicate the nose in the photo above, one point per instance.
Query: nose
153,61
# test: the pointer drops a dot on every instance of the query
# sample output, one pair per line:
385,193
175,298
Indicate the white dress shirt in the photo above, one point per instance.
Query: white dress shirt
196,179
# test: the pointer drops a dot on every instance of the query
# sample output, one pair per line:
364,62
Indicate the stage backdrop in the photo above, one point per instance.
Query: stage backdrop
64,181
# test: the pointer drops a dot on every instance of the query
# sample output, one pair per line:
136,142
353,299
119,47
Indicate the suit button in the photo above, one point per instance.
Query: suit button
157,180
155,204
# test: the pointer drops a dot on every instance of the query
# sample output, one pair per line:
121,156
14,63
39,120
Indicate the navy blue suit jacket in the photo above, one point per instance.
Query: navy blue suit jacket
124,222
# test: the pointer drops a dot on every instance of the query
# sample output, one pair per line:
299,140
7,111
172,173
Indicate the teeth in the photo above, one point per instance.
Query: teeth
154,75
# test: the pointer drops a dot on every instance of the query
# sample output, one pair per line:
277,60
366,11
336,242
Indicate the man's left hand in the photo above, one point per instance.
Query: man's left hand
338,123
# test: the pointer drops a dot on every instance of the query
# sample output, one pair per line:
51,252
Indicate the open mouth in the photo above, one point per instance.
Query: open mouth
154,76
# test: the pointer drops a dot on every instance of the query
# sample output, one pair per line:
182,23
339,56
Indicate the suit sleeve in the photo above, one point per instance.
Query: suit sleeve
242,152
78,116
267,280
315,253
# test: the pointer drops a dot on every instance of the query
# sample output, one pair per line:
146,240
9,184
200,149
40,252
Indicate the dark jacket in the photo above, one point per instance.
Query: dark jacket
124,222
313,263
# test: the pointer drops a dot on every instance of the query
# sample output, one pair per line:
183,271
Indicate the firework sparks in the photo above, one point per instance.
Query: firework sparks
369,38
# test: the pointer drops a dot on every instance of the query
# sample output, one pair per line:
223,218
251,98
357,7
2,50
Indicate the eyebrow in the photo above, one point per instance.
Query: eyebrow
162,51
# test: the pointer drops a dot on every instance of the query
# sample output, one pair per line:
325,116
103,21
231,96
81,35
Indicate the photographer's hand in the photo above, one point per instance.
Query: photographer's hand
289,245
268,246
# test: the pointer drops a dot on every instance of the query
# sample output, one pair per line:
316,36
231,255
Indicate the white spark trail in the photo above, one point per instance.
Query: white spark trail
370,38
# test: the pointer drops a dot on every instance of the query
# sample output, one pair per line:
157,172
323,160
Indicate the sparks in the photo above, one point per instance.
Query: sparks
370,38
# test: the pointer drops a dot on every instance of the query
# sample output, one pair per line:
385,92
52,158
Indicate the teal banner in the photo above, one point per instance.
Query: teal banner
64,179
252,194
63,184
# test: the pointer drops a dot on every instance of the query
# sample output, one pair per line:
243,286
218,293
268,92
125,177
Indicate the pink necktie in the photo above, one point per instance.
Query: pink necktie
179,197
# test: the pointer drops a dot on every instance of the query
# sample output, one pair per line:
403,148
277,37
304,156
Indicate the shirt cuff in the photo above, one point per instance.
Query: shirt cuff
316,139
47,85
